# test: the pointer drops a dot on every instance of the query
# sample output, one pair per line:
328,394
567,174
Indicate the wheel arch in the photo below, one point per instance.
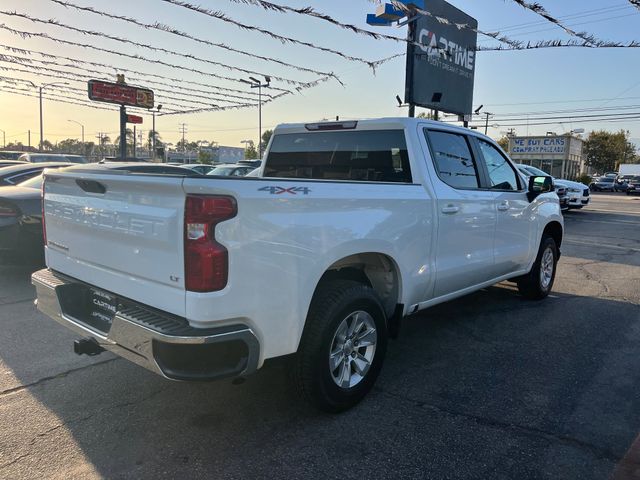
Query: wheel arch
375,269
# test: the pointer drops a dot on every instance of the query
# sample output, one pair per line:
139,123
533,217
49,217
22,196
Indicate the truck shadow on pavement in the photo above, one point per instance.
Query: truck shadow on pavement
486,386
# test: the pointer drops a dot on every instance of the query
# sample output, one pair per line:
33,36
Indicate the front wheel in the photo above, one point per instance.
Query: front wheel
537,284
343,346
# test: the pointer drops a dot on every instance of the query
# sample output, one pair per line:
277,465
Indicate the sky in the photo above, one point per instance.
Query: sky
506,82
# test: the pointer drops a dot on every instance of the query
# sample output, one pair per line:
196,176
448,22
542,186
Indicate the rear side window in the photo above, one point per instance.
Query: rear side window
453,159
368,156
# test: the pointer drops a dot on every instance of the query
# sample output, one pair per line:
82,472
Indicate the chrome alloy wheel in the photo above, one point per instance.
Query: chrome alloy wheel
546,268
352,349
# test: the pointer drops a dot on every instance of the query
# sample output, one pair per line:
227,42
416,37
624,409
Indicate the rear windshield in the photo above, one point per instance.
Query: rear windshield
369,156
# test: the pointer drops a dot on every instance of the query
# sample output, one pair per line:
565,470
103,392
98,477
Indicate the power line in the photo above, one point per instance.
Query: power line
218,16
169,94
300,85
540,10
174,31
136,72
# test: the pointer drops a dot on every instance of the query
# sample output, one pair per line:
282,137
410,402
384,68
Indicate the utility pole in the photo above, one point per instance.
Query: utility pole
4,140
153,131
486,124
134,142
183,130
255,83
29,138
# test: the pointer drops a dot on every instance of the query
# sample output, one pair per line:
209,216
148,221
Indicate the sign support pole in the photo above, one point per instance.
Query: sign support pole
123,132
408,92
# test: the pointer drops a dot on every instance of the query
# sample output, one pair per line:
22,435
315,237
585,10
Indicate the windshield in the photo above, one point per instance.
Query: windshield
35,182
226,171
607,179
534,171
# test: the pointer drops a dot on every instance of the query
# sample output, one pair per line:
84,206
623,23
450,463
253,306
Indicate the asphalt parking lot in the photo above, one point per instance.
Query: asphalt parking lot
487,386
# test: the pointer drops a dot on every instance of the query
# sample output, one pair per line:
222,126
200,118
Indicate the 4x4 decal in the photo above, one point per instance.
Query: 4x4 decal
281,190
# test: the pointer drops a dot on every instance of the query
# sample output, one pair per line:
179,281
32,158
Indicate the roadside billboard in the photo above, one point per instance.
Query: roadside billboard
440,72
120,94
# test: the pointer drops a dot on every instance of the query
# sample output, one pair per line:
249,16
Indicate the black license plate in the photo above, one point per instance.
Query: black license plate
103,308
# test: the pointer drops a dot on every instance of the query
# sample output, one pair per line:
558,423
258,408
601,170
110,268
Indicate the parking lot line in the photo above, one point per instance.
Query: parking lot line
604,221
604,245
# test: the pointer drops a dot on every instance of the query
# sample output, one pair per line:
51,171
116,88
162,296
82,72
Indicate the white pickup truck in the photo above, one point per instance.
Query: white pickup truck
350,227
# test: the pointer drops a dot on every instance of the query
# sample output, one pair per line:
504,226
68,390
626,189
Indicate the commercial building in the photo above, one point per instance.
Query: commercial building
558,155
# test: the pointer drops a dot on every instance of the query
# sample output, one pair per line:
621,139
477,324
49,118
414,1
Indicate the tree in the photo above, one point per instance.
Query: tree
129,137
47,145
150,136
428,116
250,152
205,157
504,143
266,136
604,151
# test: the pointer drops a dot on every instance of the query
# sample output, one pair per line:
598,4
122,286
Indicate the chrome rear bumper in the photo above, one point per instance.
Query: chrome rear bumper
158,341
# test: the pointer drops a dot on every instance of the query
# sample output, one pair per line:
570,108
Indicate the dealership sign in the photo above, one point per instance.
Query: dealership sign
120,93
539,146
441,68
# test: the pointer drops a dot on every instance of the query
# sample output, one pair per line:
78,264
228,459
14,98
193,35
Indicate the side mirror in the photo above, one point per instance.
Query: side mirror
539,184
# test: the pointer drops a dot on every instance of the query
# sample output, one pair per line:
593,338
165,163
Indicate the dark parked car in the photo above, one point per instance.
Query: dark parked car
8,163
621,184
51,157
633,185
231,170
603,184
14,174
21,207
21,218
9,155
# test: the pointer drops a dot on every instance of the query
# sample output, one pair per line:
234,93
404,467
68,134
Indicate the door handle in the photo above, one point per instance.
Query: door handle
503,207
450,209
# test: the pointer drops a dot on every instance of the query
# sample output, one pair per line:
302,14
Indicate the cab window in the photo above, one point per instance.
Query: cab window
453,159
501,174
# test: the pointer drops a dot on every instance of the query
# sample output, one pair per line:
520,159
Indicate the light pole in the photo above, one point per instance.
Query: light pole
4,140
255,83
81,126
153,131
42,87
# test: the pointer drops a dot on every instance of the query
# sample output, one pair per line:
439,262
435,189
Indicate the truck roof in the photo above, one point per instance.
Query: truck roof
384,123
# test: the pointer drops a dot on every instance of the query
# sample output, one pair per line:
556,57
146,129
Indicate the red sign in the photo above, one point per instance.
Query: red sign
134,119
121,94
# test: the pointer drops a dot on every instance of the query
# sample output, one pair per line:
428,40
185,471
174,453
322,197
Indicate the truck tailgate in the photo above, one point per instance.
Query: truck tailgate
122,233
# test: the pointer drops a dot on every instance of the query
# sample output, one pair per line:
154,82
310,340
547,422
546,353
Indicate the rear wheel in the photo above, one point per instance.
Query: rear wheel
537,284
343,346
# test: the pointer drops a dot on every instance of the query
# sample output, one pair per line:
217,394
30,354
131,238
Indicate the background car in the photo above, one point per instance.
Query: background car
6,163
10,154
633,185
21,207
199,167
570,194
52,157
603,184
233,170
15,174
621,183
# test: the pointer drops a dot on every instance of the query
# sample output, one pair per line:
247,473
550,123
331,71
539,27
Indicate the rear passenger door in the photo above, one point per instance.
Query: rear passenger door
514,238
466,213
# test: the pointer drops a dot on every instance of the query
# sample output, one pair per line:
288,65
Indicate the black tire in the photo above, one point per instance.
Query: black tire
333,304
532,285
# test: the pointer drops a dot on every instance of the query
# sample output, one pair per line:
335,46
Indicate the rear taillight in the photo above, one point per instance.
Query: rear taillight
8,211
206,262
44,227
